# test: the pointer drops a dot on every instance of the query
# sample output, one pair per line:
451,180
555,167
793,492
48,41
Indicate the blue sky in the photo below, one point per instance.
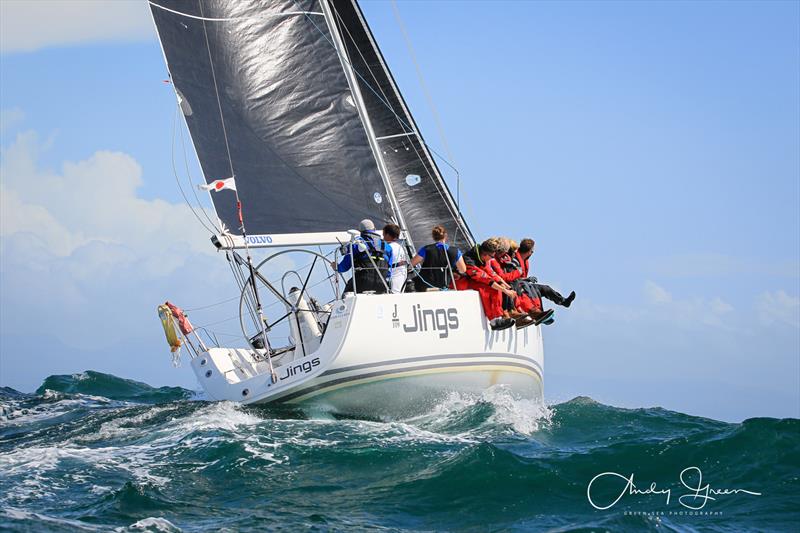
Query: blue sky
651,149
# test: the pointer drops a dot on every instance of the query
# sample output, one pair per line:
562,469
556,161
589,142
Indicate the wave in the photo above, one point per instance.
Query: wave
95,451
112,387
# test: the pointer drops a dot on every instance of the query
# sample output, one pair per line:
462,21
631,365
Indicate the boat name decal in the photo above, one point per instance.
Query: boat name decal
304,367
440,320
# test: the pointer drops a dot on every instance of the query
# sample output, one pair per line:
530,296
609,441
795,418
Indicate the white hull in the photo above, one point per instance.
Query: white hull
391,355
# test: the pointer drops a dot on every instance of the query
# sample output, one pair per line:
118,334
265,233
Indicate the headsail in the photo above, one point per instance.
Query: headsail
422,195
285,115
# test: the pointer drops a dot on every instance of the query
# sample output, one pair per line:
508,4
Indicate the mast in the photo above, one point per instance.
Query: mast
423,196
352,80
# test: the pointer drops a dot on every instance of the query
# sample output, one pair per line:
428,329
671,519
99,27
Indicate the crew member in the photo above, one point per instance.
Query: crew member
370,257
440,262
523,255
478,275
398,269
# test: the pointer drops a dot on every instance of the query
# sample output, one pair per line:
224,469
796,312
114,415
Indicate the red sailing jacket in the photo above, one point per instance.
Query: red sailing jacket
499,264
523,263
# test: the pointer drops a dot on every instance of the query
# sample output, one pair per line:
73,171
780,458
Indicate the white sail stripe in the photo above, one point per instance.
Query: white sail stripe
408,134
233,19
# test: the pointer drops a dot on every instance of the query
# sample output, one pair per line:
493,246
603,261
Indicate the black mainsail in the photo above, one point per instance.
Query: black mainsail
293,98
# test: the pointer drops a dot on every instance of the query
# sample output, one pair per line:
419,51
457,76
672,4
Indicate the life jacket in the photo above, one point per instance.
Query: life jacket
367,277
436,267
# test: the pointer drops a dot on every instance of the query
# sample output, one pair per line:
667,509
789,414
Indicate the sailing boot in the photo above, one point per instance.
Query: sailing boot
541,316
524,322
501,323
568,299
515,315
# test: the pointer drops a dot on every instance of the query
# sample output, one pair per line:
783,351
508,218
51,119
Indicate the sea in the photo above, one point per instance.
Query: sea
96,452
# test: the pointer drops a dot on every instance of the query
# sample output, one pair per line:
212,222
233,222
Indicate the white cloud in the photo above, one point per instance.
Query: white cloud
686,313
656,294
720,307
87,201
80,240
27,25
778,307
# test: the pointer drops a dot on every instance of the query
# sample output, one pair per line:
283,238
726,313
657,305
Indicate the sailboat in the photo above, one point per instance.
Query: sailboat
292,103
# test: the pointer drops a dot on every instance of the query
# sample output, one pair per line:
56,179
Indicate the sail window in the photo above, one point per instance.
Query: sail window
413,179
184,103
377,197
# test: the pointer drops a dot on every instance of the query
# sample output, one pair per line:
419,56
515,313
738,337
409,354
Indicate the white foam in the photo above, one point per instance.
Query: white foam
152,524
123,426
524,415
19,514
17,413
32,465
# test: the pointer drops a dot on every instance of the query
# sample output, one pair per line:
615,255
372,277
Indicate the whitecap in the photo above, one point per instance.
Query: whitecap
152,524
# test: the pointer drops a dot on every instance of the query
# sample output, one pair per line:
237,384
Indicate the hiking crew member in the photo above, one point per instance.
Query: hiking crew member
398,270
368,252
440,262
505,270
480,277
523,255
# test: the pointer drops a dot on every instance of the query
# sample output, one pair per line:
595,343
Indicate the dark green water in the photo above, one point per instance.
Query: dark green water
97,452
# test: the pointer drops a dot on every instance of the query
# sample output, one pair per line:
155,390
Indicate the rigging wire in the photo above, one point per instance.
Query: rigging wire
191,182
421,78
431,104
217,322
175,173
192,309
